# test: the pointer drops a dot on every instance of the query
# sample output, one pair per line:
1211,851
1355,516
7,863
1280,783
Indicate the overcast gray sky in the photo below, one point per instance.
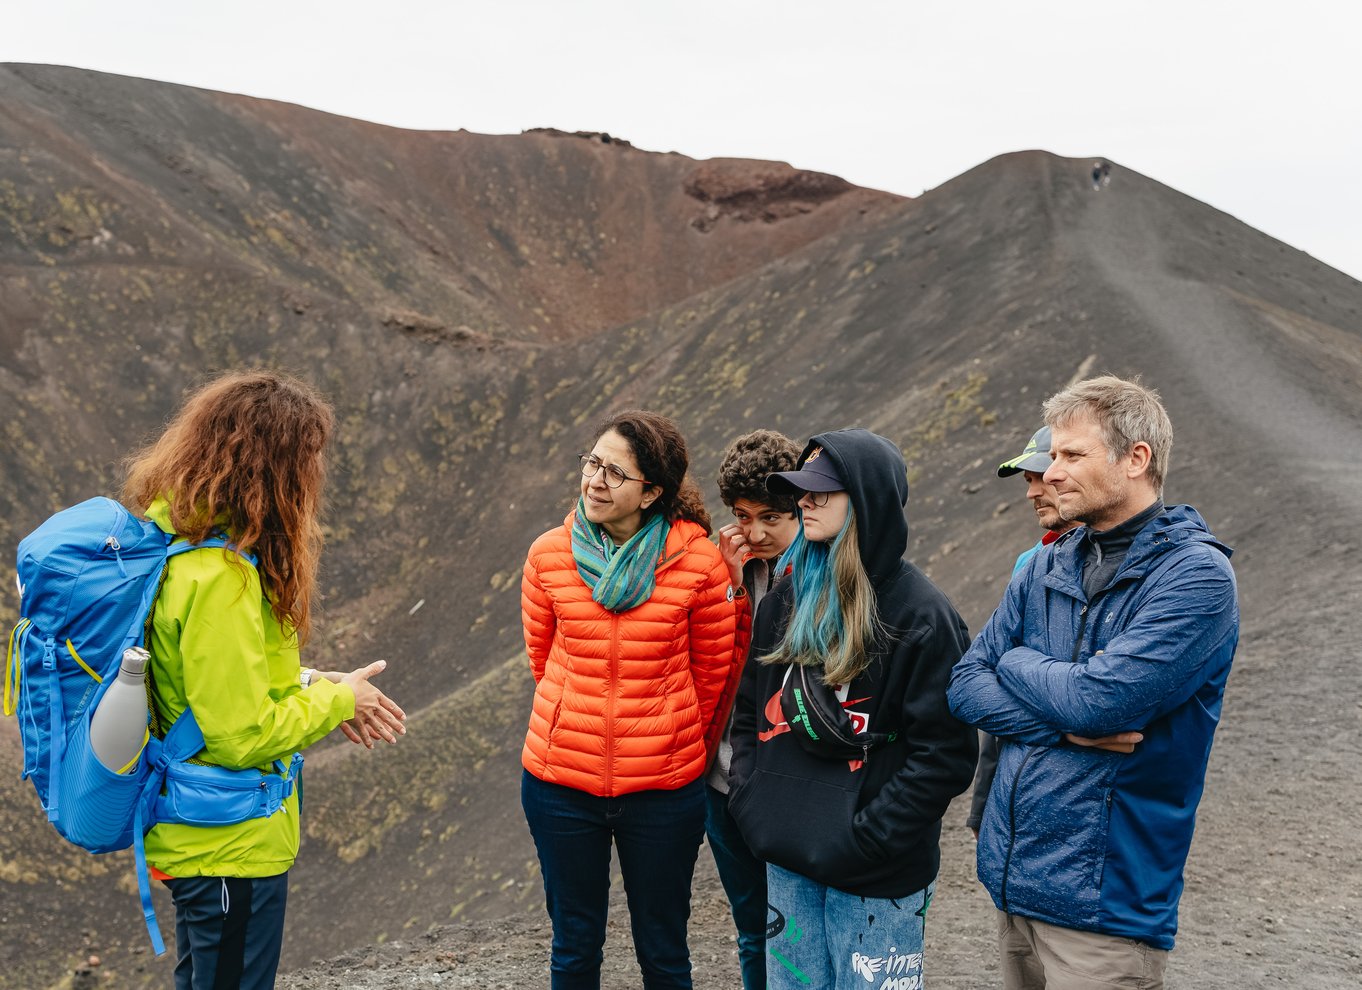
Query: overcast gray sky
1253,107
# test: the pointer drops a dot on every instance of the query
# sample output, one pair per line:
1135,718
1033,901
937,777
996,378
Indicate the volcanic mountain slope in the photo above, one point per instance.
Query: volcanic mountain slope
941,322
153,234
150,234
943,328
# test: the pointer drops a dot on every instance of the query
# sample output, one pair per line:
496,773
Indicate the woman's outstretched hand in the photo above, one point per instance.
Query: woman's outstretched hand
376,715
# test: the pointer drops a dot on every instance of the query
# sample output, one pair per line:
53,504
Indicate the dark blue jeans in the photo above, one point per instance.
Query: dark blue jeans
228,931
744,880
658,837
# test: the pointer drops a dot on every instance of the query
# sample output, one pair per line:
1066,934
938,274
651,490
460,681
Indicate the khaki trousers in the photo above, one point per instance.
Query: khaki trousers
1040,956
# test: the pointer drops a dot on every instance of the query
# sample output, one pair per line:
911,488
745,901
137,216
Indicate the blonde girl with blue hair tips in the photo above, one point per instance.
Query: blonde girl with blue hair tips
845,754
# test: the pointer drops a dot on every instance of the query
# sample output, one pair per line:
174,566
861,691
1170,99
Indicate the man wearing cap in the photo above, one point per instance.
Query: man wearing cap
1030,463
1103,672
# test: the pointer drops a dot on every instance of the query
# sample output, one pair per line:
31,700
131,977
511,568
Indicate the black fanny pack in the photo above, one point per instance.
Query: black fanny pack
818,721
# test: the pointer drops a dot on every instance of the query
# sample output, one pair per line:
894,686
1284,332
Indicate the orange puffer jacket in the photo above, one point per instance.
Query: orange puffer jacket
624,701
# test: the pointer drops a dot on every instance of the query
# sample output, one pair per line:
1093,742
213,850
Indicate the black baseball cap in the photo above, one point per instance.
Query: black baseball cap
815,475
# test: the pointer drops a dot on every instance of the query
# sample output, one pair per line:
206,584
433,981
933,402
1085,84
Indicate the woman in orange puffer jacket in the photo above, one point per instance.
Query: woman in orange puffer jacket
629,626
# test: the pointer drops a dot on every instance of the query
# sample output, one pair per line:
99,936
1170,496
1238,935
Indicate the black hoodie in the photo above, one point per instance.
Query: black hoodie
868,829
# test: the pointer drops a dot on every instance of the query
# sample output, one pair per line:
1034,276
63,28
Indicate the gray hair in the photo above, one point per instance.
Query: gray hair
1125,412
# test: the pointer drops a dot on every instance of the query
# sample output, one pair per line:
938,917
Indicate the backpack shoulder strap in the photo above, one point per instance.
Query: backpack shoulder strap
184,546
184,739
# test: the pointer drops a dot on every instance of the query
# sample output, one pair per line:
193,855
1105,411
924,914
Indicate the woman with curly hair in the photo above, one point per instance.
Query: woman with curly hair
243,459
765,524
628,616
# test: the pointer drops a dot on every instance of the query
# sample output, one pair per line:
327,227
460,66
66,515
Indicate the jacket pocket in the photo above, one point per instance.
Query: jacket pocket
1058,836
800,824
553,728
1101,850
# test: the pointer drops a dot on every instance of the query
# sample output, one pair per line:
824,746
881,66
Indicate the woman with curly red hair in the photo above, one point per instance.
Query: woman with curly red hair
243,458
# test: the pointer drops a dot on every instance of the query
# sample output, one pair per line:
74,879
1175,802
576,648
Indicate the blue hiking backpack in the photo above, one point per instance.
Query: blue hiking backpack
88,578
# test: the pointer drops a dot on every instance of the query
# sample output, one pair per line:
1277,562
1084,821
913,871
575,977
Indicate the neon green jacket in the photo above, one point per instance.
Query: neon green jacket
217,648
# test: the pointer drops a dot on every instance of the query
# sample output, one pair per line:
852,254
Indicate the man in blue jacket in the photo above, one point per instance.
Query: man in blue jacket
1102,672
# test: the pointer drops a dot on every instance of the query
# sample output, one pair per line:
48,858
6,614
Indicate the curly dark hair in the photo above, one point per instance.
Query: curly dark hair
747,462
663,459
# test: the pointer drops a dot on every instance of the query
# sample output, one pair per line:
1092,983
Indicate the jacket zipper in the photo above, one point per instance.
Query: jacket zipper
111,541
610,703
1011,828
614,683
120,516
1082,628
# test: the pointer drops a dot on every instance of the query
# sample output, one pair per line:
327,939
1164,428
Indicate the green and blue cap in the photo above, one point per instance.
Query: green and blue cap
1036,456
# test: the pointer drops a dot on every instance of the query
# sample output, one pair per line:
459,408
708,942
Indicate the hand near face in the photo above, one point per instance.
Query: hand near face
733,548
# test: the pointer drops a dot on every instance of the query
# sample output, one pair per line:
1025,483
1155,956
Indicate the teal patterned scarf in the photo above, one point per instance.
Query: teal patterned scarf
620,578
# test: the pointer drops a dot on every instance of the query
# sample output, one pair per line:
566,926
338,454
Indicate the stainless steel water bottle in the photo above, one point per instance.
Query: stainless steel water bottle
118,728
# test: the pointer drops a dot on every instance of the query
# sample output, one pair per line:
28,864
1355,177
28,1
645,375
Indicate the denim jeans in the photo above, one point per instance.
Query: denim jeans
657,834
228,931
824,937
744,880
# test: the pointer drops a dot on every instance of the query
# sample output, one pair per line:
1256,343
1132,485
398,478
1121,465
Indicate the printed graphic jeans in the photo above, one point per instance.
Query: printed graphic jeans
822,937
744,880
657,834
228,931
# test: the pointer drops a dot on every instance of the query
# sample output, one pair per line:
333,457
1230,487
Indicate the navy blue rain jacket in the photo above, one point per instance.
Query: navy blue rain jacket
1081,837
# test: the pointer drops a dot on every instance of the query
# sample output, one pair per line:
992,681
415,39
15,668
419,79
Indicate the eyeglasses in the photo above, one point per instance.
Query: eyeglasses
819,499
614,475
